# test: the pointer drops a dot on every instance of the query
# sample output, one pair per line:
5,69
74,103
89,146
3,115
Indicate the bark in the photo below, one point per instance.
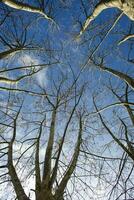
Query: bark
129,80
45,195
16,183
14,81
130,36
22,90
12,171
124,148
55,169
129,144
37,166
126,104
9,52
48,154
126,6
129,110
25,7
60,191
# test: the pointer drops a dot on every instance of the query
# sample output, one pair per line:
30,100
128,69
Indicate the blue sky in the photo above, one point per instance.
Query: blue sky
72,54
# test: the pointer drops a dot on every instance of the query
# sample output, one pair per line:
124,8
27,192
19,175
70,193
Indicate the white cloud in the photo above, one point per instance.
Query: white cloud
27,59
41,76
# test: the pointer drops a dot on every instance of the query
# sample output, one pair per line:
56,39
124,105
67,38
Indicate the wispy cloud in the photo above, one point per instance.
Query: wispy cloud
27,59
41,76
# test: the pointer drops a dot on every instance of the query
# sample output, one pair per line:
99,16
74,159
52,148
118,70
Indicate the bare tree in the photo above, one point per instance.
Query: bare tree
62,138
51,174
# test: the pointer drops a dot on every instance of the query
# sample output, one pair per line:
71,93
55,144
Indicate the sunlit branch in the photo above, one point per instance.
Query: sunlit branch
9,52
99,156
112,135
129,80
130,147
23,6
111,106
124,6
126,105
23,90
14,81
126,38
27,67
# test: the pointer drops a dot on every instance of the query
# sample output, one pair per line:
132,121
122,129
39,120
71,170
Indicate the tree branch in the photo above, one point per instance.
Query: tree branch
125,6
126,38
25,7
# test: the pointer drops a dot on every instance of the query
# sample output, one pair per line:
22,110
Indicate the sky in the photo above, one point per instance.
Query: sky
72,55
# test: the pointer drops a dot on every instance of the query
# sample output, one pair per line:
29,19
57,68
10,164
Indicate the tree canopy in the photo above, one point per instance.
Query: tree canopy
67,100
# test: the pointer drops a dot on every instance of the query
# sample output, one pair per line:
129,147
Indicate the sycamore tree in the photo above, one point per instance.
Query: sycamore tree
66,103
43,143
107,37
